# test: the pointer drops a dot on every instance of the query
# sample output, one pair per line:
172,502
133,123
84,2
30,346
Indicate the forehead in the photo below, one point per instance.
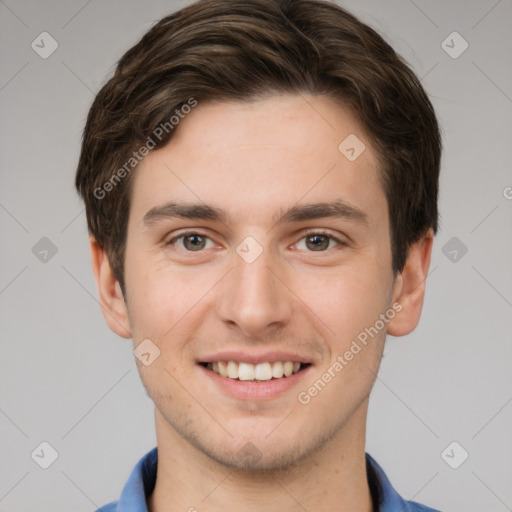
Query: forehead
255,159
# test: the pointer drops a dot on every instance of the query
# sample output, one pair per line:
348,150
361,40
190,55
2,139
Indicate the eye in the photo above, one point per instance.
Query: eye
192,241
314,241
318,241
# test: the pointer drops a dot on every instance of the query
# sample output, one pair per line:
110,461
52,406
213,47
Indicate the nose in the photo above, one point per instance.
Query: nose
253,297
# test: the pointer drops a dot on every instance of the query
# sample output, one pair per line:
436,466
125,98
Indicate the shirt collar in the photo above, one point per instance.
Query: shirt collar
140,484
142,480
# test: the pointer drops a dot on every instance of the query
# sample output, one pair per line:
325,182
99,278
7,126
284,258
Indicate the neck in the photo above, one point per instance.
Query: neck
333,478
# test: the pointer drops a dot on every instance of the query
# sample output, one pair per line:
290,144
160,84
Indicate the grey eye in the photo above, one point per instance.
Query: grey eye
192,241
317,242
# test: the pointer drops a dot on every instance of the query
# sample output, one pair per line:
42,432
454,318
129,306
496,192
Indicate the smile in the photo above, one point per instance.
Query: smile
260,372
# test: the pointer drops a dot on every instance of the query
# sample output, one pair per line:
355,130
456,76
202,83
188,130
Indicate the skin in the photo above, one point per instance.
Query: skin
254,160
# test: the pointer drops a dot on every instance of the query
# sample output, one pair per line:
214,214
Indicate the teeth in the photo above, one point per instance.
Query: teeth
223,371
232,370
245,371
263,371
259,372
277,370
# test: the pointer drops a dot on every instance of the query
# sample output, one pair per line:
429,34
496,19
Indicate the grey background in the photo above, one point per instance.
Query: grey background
66,379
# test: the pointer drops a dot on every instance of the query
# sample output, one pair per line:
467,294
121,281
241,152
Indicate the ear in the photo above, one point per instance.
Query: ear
409,287
111,297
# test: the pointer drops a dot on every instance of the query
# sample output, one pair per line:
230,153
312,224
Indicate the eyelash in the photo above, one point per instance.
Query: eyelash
307,234
321,232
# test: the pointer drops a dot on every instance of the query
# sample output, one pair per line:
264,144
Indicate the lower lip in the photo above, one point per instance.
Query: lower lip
251,390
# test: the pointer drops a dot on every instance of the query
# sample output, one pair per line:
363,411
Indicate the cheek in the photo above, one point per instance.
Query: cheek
353,290
345,302
164,298
164,308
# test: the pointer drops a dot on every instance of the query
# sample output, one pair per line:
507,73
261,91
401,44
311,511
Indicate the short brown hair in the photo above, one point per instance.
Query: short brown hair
232,50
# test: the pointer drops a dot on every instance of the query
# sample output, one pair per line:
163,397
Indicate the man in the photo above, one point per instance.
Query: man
261,186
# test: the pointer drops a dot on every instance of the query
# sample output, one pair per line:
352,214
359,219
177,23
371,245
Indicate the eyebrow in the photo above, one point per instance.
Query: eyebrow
296,213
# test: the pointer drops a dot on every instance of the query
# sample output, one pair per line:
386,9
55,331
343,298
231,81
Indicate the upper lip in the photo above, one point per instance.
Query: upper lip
253,358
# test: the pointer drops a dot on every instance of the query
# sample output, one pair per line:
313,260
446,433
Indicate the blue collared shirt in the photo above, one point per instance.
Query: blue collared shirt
142,479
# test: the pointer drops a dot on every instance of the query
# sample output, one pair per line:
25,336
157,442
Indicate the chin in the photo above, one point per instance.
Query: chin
258,455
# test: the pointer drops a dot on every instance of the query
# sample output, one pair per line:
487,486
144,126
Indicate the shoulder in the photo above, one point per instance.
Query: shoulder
412,506
138,487
109,507
385,497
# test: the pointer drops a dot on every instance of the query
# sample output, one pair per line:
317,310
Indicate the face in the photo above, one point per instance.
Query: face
256,247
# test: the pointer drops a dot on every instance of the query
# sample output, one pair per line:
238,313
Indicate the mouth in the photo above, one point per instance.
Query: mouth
261,372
